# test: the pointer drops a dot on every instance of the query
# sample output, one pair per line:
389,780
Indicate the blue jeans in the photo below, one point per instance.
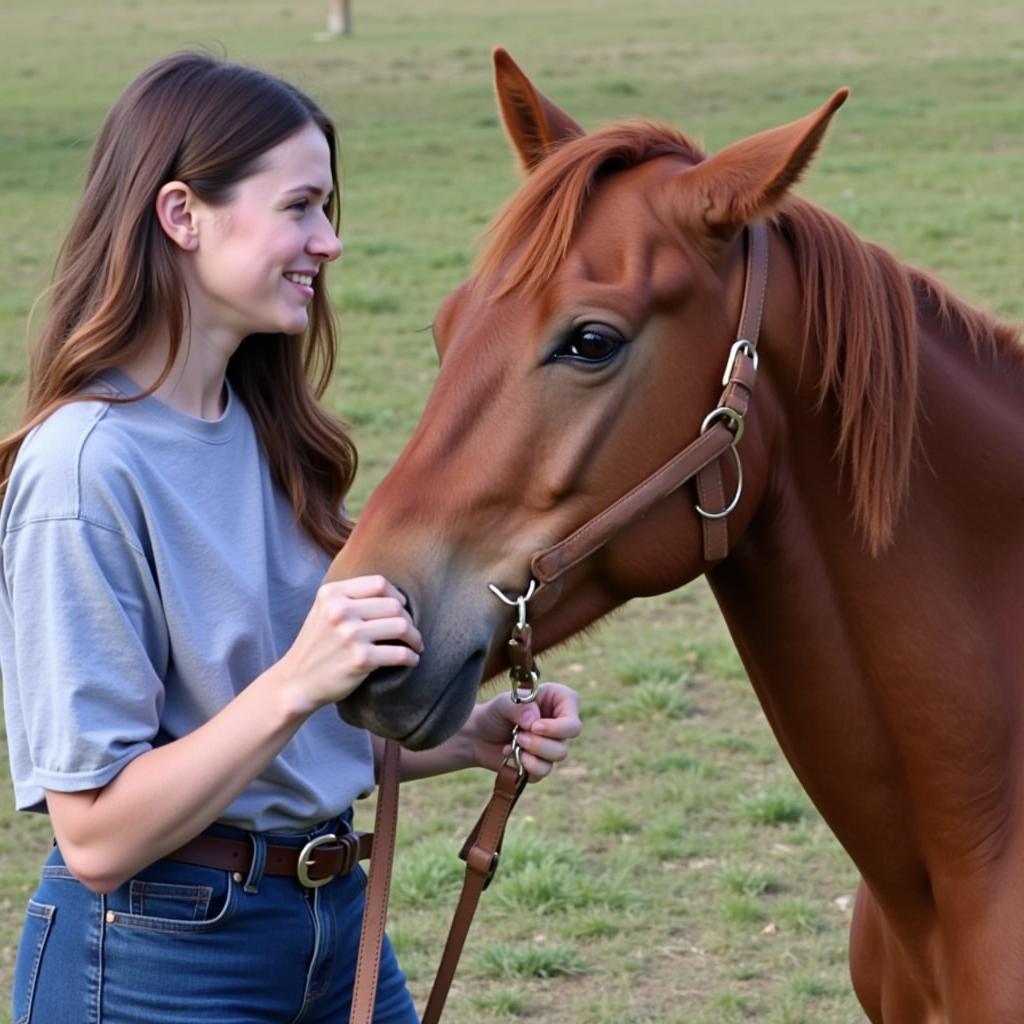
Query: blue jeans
180,944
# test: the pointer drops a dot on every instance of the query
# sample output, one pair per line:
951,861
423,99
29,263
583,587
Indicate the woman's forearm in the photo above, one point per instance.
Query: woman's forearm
454,754
171,793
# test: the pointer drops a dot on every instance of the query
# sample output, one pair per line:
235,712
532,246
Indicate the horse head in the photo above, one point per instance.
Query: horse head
584,352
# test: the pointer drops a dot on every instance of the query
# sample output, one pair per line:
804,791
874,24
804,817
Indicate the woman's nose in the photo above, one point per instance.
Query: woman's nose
325,243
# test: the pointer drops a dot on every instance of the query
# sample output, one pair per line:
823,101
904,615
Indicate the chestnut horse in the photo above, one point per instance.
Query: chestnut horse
871,570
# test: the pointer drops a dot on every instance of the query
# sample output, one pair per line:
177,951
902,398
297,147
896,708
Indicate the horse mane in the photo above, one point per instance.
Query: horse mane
861,308
861,305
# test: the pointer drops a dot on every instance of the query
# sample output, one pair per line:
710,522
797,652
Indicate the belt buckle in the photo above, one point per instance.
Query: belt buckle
305,862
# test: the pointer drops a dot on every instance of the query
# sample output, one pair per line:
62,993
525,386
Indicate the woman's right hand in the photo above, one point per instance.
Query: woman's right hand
354,627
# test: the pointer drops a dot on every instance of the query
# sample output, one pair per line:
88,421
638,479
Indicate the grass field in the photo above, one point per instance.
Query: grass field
673,872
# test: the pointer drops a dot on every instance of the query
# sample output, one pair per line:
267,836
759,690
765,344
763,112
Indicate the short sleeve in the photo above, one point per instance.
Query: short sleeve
86,654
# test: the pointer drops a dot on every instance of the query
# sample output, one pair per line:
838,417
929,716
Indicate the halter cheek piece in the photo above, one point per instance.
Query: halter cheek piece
720,432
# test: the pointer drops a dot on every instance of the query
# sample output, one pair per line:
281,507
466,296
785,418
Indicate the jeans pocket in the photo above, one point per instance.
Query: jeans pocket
38,919
169,901
165,899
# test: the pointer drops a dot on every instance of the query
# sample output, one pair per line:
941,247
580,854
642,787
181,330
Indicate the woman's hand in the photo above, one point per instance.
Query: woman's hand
354,627
546,725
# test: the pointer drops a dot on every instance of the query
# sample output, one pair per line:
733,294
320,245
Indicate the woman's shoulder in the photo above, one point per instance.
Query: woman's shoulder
67,460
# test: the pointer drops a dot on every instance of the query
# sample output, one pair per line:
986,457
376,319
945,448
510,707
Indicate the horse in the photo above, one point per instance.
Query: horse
856,506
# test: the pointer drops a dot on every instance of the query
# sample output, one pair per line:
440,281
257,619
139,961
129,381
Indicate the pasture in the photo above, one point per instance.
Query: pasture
673,872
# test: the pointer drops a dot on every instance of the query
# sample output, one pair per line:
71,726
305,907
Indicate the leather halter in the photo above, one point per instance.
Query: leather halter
701,458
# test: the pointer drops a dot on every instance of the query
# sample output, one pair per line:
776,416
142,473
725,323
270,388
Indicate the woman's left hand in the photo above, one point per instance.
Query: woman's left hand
546,725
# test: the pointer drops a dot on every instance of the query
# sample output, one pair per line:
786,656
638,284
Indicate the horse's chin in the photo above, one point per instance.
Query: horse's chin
390,703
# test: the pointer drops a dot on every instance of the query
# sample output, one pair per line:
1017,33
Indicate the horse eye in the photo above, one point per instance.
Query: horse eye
590,343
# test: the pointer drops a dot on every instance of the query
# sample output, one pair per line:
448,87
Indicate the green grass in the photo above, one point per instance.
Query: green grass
527,960
672,872
774,807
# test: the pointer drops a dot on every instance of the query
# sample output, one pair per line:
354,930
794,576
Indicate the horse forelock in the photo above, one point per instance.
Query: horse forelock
532,233
860,309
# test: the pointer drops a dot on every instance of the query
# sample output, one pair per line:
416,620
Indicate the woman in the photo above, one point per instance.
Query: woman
170,657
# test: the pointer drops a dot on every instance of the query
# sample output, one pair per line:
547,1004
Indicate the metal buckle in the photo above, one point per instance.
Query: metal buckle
305,862
522,668
744,346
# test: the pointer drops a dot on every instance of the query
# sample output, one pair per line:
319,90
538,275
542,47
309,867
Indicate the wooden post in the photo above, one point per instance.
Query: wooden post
339,17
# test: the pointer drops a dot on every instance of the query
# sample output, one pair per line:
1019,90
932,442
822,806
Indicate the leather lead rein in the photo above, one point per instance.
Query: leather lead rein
481,853
378,888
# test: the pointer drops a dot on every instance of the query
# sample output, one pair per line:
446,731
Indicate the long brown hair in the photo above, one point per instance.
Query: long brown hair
193,118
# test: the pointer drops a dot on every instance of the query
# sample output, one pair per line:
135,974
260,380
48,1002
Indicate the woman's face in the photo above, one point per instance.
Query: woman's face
257,254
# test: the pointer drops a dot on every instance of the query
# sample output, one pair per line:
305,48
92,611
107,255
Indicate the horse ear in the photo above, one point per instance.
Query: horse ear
533,123
750,178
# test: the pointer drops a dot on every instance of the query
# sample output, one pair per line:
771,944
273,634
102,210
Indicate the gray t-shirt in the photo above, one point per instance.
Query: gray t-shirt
151,569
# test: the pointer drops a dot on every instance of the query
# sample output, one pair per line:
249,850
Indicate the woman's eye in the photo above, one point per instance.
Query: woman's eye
301,205
590,343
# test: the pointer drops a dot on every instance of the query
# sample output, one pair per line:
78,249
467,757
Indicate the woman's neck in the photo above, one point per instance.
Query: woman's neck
195,383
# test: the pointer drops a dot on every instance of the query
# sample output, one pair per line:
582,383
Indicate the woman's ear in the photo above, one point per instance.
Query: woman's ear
175,210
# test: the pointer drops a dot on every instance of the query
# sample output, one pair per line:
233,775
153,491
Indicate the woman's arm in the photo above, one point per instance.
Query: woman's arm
169,794
546,726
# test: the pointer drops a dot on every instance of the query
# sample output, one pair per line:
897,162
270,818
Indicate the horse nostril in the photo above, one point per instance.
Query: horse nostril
408,604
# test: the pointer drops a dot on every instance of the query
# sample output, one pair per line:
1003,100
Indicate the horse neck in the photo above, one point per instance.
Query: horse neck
890,678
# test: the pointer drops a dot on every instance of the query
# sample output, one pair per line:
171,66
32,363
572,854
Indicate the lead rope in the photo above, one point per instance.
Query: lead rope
378,888
481,850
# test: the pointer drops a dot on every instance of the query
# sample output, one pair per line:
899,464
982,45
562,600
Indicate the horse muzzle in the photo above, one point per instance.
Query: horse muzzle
423,706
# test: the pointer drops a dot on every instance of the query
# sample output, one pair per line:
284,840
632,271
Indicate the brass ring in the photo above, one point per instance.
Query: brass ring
724,412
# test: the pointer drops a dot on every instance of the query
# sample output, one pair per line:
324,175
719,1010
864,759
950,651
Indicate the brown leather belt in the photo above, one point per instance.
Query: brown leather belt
315,864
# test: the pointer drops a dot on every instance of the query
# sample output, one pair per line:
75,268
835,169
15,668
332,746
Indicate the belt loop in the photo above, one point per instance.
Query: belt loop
259,861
